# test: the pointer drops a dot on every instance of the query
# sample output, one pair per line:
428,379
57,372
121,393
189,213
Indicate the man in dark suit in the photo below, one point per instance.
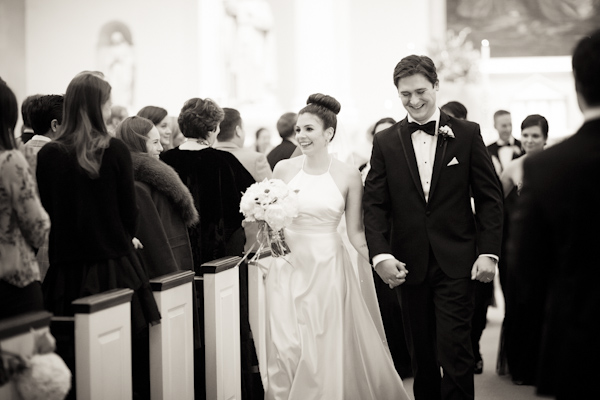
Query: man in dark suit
285,126
506,148
418,218
553,259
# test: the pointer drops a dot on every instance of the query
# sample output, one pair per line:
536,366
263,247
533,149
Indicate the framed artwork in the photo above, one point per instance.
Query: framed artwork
525,28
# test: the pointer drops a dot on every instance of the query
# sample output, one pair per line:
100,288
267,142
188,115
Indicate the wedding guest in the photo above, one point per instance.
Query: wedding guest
46,113
117,114
160,119
553,242
26,130
176,137
231,138
455,109
262,142
165,204
284,150
520,332
46,116
429,229
506,148
216,180
85,180
379,126
25,224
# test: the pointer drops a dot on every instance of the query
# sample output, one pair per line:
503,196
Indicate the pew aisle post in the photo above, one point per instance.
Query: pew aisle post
257,306
222,328
103,345
172,340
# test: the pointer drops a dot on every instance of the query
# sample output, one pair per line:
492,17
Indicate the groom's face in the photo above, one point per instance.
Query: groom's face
418,96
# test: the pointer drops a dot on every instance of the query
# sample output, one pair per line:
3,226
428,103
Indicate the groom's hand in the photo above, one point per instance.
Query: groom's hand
392,271
484,269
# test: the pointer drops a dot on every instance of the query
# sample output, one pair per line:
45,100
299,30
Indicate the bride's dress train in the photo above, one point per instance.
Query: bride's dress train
323,340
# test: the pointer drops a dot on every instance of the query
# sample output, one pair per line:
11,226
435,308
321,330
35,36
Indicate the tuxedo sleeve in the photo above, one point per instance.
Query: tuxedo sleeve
376,204
487,195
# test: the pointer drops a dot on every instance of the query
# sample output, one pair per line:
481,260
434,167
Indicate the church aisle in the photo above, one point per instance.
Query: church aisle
489,385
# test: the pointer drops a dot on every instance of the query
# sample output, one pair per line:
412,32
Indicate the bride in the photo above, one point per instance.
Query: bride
325,337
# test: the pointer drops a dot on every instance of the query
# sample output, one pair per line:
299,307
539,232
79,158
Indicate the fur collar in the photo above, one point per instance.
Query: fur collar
163,178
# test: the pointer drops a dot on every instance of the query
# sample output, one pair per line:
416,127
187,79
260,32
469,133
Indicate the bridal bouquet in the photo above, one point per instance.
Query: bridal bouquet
273,205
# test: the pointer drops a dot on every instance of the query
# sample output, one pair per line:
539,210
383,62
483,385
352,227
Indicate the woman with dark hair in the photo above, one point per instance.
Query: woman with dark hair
24,224
379,126
520,335
85,180
325,337
160,119
263,141
216,180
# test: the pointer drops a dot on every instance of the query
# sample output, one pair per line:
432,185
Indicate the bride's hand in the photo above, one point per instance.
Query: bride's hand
392,271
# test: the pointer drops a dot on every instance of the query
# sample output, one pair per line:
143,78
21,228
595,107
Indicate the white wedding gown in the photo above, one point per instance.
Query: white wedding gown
323,340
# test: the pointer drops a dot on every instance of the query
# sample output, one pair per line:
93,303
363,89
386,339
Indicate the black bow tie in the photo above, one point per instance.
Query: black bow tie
507,144
428,128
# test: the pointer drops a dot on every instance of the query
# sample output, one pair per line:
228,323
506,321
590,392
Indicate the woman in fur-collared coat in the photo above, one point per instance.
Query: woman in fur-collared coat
165,203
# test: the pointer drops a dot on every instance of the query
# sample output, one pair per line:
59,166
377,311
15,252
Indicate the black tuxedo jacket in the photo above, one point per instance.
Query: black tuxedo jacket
281,152
493,150
399,221
553,267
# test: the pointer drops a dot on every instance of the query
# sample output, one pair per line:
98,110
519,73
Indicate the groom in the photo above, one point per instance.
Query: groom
418,218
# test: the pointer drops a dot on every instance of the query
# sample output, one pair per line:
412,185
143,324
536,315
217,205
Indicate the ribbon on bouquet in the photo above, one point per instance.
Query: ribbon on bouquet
266,237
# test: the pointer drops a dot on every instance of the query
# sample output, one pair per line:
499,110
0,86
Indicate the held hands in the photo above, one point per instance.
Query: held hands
484,269
392,271
136,243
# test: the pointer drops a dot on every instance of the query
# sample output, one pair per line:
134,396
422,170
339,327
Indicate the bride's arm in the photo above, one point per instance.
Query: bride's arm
354,215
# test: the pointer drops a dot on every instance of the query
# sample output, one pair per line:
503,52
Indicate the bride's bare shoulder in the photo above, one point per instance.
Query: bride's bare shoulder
287,169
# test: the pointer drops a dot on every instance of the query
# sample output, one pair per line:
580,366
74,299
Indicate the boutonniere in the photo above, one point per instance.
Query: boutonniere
445,133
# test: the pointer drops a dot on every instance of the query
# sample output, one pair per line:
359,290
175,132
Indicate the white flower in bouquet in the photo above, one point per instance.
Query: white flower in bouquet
274,205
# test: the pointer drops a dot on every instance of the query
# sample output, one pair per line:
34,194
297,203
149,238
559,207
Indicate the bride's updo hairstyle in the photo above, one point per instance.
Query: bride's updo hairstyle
325,107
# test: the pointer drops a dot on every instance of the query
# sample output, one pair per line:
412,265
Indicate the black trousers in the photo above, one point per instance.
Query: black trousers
437,317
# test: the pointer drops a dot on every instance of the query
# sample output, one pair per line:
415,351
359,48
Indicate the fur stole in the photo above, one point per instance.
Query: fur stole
162,178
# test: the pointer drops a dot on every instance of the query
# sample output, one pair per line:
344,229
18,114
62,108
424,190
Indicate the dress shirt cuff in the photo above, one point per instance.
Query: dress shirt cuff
381,257
492,256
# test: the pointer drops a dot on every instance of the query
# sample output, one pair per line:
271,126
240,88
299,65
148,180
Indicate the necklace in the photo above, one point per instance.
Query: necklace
203,142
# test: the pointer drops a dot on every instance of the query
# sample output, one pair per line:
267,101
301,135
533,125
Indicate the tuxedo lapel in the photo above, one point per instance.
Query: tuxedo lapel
440,153
409,153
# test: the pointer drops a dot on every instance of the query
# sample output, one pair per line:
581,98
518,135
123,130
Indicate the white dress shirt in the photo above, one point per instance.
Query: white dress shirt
506,152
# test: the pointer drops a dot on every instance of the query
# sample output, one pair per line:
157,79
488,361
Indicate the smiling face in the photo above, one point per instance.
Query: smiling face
503,124
532,139
310,134
418,96
153,145
164,130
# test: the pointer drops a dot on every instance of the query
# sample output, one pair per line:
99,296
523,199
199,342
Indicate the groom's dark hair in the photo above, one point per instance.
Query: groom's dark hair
586,64
412,65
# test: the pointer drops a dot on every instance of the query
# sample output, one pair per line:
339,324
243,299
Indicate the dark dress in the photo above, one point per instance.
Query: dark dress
90,249
217,180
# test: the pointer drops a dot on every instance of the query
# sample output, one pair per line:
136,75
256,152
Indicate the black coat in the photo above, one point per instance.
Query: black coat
553,266
281,152
446,222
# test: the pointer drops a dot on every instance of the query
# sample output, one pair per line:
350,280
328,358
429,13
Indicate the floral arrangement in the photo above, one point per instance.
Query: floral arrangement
445,132
456,59
273,205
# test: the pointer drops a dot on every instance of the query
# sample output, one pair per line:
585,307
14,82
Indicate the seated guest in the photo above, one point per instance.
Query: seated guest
85,180
216,180
160,119
285,127
165,204
231,138
24,222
